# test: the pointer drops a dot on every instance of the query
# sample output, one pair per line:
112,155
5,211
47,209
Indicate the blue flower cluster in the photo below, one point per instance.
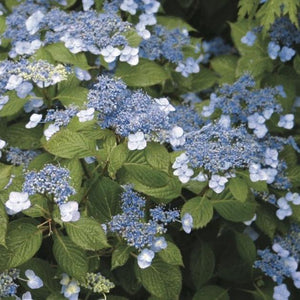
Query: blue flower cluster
283,261
165,44
17,157
93,31
51,180
245,104
8,287
128,111
131,224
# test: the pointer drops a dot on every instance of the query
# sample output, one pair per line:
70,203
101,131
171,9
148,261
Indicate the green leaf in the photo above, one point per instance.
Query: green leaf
61,54
17,135
293,175
87,233
296,63
23,240
104,199
211,292
157,156
145,175
13,106
266,221
239,189
132,38
146,73
56,296
235,211
225,66
201,209
73,96
5,172
171,255
39,207
202,264
248,8
70,257
69,144
3,222
246,248
120,256
161,279
172,22
117,158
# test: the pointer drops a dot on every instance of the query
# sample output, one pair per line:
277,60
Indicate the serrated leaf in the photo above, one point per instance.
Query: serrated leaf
211,292
120,256
61,54
73,96
157,156
171,255
235,211
69,144
202,264
161,279
132,38
23,240
145,175
17,135
104,199
201,209
293,175
5,172
172,22
146,73
70,257
3,222
13,106
246,247
117,158
225,66
248,8
87,233
239,188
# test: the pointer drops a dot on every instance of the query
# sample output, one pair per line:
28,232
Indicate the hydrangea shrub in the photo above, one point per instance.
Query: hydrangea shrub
148,152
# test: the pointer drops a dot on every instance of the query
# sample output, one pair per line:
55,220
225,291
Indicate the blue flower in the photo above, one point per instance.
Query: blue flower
136,141
69,211
273,50
145,258
249,38
158,244
34,282
286,121
187,222
286,54
281,292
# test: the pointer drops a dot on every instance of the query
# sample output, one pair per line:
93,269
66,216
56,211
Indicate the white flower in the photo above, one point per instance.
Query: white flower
13,82
217,183
137,141
130,55
32,23
164,105
50,131
286,121
69,211
17,202
34,121
177,136
110,53
86,115
187,222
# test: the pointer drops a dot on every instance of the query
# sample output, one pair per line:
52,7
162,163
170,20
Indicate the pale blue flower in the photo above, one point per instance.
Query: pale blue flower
249,38
130,55
87,4
24,89
82,74
281,292
217,183
110,53
32,23
145,258
273,50
286,121
17,202
187,223
158,244
286,54
34,282
86,115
